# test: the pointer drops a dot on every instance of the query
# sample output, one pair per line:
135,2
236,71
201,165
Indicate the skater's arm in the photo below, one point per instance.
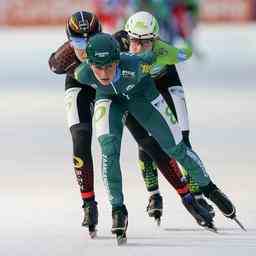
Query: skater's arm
168,55
64,60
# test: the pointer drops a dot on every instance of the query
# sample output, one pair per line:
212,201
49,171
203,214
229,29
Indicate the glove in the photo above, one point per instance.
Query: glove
64,60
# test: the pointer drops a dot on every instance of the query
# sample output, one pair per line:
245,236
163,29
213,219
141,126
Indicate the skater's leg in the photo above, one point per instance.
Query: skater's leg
166,165
175,98
83,165
78,106
108,118
150,175
162,124
149,172
176,148
109,128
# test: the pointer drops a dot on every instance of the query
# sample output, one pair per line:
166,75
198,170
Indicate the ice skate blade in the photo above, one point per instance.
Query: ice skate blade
121,237
92,231
211,229
93,234
121,240
158,221
239,224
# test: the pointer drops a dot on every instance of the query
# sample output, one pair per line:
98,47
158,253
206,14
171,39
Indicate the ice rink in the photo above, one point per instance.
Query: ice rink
40,203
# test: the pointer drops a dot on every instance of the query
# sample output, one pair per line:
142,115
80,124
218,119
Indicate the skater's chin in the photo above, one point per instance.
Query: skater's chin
105,82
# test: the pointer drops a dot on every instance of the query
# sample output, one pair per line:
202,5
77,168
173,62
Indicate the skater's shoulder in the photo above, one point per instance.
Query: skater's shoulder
127,58
129,61
83,73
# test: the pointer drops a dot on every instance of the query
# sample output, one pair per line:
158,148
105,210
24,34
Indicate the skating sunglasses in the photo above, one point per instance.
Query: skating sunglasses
78,42
141,41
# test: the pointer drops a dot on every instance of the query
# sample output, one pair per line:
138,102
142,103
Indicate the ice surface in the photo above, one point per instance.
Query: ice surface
40,203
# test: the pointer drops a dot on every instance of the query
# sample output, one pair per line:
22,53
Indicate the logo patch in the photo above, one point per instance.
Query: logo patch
78,162
129,87
101,54
128,74
99,113
161,52
145,68
171,116
181,56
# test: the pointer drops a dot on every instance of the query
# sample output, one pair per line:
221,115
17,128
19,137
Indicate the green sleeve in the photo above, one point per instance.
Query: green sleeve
147,57
168,55
81,73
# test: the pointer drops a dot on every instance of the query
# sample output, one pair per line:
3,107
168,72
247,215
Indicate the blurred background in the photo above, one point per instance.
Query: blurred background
113,12
40,201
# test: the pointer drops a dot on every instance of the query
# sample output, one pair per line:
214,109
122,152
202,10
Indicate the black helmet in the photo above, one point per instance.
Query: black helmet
123,39
82,24
102,49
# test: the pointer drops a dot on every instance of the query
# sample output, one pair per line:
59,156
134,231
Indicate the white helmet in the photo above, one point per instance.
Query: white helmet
142,25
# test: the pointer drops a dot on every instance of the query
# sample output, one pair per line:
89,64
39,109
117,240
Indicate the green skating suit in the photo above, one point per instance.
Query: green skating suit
133,91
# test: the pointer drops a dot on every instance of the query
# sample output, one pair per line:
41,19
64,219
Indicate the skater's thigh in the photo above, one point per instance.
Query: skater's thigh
161,123
108,118
136,129
79,106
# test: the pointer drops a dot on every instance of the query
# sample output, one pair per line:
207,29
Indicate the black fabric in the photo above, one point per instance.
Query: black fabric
185,136
170,78
82,138
208,189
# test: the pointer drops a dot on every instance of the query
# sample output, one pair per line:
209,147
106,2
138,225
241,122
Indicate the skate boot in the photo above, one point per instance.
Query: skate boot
155,207
90,217
119,224
220,199
202,216
199,198
224,204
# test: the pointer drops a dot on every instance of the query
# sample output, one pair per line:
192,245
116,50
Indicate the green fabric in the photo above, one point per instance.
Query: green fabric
111,171
149,174
192,164
192,184
133,90
168,55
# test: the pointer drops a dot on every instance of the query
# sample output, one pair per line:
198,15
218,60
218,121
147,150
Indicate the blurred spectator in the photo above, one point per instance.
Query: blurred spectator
185,19
110,12
161,9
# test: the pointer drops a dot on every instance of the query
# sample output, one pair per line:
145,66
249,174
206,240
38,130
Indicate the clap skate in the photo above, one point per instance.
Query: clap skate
201,215
155,207
90,217
225,205
202,202
120,224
